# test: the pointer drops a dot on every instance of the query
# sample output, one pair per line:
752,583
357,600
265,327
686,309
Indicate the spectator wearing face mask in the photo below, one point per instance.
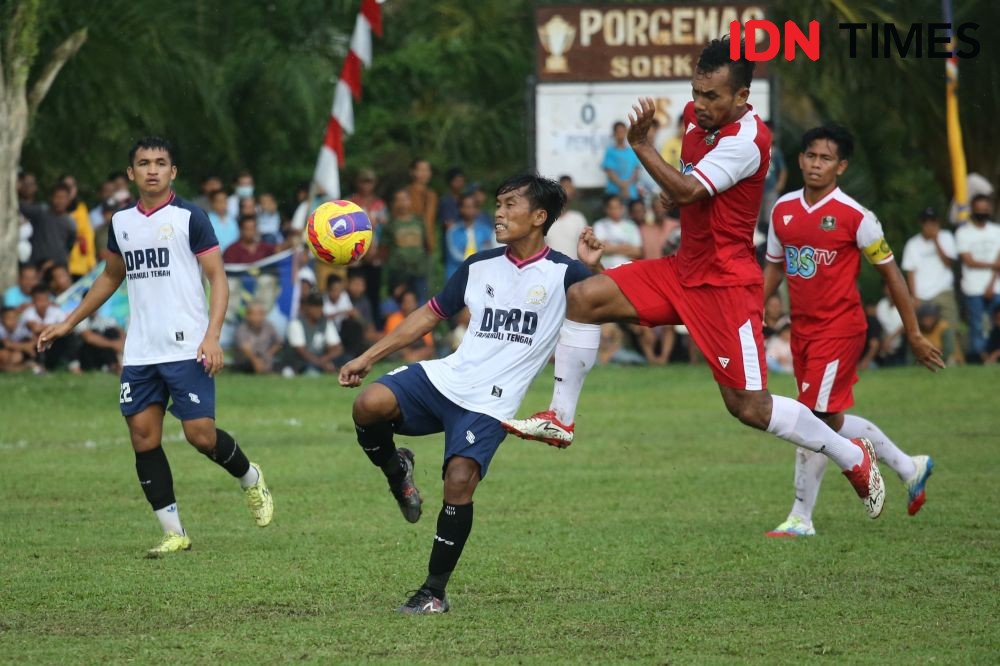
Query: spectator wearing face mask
242,189
978,246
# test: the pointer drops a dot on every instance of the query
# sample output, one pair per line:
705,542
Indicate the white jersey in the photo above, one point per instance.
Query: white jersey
168,313
517,308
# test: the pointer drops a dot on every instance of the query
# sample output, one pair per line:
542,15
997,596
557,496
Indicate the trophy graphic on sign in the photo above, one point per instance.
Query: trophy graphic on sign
557,38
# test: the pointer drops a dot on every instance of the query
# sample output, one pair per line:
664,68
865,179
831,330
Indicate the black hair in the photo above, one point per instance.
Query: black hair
312,298
618,123
24,267
565,176
39,289
417,160
333,279
840,135
59,185
716,55
608,198
245,217
453,173
4,310
466,195
154,143
979,197
634,202
541,192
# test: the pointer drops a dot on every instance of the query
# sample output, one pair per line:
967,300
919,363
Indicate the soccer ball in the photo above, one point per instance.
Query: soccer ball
339,232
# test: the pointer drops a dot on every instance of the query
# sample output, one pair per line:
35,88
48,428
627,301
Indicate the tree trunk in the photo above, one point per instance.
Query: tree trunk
16,107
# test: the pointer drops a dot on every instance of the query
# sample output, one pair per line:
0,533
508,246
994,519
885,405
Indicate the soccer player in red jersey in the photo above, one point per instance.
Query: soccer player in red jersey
819,234
713,284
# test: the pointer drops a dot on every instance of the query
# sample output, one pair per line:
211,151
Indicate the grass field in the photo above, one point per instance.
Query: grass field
642,542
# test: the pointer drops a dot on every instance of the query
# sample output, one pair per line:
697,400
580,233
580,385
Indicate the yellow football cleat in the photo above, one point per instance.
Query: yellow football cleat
259,500
172,543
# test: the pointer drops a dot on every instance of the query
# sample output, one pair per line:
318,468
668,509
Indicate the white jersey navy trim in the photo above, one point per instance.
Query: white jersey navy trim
517,308
167,308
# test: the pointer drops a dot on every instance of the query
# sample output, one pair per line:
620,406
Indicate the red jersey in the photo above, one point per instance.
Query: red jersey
717,232
821,247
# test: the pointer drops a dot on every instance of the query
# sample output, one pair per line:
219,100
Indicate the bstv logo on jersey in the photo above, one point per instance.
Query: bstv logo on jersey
805,261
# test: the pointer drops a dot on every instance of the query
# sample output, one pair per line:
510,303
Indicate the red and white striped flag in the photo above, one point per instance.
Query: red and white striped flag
331,154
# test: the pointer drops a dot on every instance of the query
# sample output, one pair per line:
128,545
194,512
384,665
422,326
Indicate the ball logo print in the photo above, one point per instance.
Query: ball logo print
339,232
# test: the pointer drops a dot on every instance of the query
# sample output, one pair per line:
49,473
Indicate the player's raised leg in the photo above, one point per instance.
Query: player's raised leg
375,410
219,446
589,303
151,466
913,471
794,422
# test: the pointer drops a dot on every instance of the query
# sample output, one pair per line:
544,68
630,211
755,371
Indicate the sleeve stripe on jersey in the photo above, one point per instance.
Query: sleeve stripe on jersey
207,250
771,257
436,308
704,181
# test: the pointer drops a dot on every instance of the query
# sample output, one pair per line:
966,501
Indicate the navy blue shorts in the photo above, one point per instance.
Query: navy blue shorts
185,383
426,411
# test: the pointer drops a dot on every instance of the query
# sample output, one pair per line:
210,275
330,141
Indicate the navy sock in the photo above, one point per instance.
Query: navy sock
155,478
228,455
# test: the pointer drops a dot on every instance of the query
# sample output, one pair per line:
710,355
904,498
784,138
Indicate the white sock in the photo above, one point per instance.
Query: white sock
885,450
792,421
250,478
170,519
576,353
809,468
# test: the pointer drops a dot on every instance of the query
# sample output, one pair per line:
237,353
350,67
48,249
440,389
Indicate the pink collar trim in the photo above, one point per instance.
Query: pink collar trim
148,213
521,263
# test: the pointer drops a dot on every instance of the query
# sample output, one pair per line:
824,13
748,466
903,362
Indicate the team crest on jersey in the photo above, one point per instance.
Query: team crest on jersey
828,223
536,295
710,139
166,232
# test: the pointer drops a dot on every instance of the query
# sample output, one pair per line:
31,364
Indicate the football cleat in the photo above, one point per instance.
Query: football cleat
915,486
423,602
405,492
793,527
171,543
542,427
259,499
867,479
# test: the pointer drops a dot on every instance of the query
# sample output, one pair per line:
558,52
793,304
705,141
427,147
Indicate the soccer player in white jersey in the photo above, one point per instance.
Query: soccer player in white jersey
516,296
162,245
713,285
819,234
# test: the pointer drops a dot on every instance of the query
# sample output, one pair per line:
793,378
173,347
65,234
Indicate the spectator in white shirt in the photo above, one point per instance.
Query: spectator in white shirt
565,232
621,237
978,244
928,258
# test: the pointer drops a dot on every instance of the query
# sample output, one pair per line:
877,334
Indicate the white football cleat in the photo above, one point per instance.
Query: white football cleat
541,427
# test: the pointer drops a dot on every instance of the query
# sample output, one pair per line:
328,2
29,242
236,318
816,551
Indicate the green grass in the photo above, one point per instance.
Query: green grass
642,542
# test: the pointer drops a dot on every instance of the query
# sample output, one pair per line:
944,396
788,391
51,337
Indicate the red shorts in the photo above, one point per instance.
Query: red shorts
725,322
826,370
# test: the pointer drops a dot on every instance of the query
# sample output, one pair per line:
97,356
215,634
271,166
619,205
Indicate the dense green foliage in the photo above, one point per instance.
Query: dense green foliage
641,542
250,84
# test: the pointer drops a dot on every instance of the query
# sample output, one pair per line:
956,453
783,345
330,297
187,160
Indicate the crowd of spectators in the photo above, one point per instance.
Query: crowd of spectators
420,240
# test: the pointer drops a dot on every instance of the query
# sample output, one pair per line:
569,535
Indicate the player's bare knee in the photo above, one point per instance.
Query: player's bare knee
751,408
460,480
375,403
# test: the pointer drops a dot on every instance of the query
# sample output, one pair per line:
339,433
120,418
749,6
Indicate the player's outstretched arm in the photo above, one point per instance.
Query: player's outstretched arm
927,354
418,324
106,284
210,351
683,189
